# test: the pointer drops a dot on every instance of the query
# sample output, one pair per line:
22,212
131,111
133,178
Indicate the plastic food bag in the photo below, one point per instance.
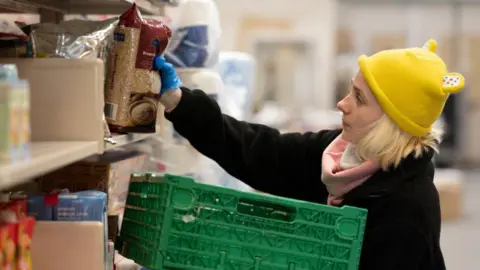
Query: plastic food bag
196,39
13,40
75,39
237,70
9,30
132,87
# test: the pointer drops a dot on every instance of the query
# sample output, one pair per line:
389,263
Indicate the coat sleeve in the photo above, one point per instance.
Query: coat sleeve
394,246
284,165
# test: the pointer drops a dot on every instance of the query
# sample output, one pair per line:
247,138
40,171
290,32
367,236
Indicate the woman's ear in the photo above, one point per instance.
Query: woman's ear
453,83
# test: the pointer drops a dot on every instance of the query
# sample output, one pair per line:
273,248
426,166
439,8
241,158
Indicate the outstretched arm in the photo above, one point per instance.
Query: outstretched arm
285,165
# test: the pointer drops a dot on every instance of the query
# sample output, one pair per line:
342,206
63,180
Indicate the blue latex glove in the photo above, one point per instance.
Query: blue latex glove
168,76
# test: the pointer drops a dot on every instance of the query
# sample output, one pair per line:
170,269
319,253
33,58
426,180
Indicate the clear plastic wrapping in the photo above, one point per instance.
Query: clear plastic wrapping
196,38
75,39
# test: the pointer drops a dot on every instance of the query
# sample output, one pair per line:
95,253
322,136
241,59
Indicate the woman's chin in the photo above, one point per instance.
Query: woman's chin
345,136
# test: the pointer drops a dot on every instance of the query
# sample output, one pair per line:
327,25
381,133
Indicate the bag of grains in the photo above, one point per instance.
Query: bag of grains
131,94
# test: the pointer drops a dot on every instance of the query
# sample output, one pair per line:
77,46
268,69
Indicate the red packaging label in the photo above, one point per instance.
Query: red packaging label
51,199
131,18
18,207
154,37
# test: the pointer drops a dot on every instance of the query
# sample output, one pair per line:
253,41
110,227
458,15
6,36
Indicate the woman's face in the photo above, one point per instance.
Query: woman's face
360,110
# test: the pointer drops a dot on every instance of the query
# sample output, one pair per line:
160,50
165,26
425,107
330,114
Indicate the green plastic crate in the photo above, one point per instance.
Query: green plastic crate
172,222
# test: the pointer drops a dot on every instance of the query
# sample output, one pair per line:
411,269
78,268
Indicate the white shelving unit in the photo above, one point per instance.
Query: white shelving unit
66,95
45,157
66,100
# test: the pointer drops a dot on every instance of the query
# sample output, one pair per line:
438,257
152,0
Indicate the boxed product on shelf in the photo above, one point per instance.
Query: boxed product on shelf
72,39
5,134
16,234
66,206
174,222
110,175
14,207
14,114
87,205
8,243
25,237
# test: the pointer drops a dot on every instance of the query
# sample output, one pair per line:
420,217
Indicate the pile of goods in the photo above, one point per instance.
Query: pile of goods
126,44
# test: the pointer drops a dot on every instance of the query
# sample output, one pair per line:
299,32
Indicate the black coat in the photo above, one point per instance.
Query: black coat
403,224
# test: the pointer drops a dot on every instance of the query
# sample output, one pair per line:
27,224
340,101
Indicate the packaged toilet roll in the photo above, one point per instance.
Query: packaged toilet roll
196,36
237,71
208,80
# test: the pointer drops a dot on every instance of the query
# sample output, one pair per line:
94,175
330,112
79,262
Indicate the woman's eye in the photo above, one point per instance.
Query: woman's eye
358,98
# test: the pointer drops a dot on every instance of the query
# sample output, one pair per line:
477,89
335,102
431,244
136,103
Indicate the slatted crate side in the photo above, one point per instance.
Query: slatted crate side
208,227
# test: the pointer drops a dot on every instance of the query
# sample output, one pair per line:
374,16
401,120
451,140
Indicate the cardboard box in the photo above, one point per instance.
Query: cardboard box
449,186
111,175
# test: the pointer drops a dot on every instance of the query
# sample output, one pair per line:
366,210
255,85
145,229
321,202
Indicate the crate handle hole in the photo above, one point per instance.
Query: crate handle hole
266,210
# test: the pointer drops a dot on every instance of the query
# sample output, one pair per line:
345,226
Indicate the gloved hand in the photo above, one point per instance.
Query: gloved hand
170,80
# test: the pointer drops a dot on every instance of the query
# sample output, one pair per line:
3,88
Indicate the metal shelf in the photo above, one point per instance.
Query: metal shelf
44,157
79,7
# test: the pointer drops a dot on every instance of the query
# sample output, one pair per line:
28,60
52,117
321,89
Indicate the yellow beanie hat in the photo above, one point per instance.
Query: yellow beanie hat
411,85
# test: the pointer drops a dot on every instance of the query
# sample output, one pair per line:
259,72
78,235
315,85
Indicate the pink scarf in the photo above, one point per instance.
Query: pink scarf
340,181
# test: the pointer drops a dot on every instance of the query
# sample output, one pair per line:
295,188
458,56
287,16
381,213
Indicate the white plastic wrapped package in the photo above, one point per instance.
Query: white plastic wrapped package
196,37
237,71
201,78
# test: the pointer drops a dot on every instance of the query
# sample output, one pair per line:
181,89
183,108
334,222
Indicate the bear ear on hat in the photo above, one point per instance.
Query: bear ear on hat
430,45
453,83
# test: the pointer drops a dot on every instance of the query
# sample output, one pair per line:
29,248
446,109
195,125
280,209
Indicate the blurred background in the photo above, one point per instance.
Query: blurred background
286,63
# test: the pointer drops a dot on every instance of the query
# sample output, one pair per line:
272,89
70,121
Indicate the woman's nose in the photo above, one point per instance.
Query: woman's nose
342,105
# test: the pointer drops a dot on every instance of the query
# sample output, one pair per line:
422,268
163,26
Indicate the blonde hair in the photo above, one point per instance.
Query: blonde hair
388,145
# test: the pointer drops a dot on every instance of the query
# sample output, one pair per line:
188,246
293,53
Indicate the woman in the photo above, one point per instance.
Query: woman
381,160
